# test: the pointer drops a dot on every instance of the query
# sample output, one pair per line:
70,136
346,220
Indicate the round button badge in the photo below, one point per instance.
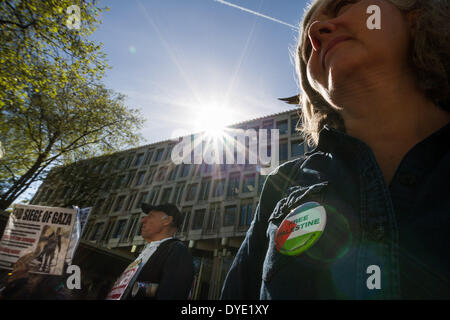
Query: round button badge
301,228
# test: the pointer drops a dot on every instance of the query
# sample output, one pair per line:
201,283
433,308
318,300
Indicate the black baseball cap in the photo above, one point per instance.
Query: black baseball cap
167,208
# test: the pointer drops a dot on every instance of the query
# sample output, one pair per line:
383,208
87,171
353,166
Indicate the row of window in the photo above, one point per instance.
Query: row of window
218,187
212,224
195,192
183,170
138,178
127,229
163,153
153,156
123,163
281,125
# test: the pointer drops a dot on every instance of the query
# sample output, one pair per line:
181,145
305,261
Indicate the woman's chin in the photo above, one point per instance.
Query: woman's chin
343,71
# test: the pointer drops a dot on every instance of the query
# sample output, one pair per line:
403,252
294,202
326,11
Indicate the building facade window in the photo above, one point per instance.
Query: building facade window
119,203
207,168
173,172
196,170
151,174
119,229
108,184
159,154
267,124
218,189
119,182
168,152
199,217
120,164
130,201
179,193
142,198
214,217
185,170
109,204
246,213
139,159
204,190
140,178
109,228
98,206
249,183
187,215
283,150
87,230
294,122
282,127
97,231
148,157
229,216
233,184
131,228
129,161
191,192
130,179
154,194
297,149
161,174
165,198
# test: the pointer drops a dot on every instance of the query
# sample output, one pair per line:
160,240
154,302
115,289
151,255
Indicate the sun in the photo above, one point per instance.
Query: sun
212,119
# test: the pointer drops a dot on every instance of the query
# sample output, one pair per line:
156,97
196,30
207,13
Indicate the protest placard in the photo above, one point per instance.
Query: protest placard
39,236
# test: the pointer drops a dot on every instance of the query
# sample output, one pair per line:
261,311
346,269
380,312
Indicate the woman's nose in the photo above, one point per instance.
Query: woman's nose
318,31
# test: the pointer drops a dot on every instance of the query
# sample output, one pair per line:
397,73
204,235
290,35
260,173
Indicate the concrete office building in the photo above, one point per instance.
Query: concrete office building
217,201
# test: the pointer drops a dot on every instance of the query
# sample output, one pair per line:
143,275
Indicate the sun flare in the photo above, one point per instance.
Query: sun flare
212,119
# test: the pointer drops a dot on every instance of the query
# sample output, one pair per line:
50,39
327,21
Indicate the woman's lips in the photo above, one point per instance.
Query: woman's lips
331,45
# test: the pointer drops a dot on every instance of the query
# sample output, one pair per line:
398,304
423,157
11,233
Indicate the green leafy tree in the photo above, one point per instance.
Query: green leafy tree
42,42
79,123
54,110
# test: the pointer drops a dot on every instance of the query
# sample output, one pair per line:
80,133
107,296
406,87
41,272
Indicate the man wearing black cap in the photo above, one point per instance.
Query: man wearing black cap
164,270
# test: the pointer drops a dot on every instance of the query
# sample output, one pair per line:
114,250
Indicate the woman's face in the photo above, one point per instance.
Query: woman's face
341,48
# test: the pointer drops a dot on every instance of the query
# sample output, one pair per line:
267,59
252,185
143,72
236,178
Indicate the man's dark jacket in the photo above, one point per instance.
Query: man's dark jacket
171,266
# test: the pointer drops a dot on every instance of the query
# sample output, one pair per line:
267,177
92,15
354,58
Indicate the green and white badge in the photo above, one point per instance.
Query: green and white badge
301,228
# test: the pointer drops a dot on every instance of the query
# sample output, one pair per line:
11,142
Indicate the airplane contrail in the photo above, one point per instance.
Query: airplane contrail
255,13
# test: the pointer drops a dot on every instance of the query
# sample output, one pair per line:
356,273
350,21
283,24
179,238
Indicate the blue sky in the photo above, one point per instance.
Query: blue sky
179,60
184,63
